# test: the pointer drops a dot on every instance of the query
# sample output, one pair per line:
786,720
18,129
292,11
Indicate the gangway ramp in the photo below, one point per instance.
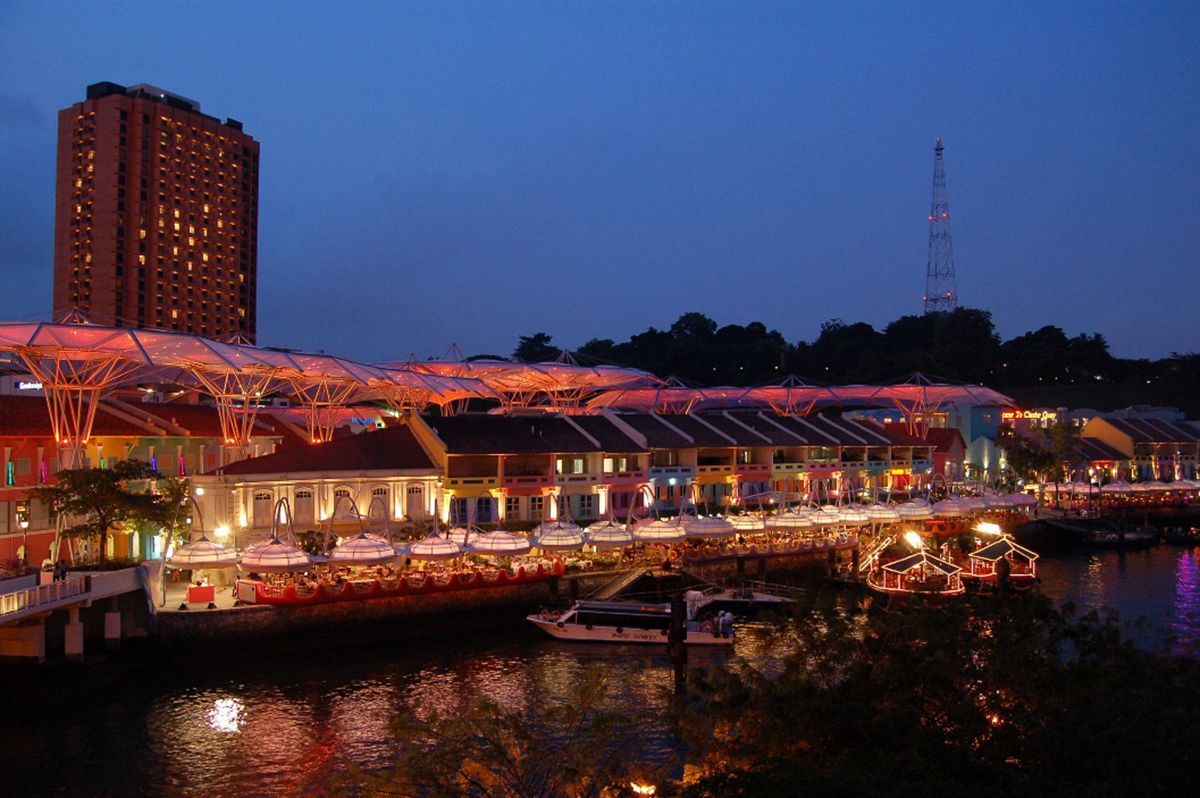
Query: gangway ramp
615,586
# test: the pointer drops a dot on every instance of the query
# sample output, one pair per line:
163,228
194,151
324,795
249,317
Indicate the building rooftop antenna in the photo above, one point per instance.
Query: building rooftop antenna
940,293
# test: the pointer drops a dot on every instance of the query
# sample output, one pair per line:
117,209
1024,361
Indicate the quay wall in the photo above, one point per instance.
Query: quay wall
270,629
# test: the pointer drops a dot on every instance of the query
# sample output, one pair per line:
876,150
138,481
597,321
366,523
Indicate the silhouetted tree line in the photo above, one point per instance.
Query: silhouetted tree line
960,345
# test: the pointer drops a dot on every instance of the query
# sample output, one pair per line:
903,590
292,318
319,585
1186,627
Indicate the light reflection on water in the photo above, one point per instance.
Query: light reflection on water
1160,584
284,725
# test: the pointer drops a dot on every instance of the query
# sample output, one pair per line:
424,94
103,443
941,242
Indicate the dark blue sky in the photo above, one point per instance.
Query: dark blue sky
472,172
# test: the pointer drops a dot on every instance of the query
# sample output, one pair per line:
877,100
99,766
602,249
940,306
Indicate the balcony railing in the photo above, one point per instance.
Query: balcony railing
753,469
714,470
784,469
478,482
674,471
527,480
624,477
577,479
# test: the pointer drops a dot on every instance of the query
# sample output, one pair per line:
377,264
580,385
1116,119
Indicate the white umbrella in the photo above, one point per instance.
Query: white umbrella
828,515
275,557
434,547
500,542
461,535
659,531
711,527
790,519
363,549
609,534
854,516
561,525
203,553
952,508
881,513
914,511
559,538
747,523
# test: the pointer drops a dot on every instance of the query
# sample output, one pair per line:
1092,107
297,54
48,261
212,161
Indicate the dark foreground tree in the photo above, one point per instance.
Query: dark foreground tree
97,500
985,699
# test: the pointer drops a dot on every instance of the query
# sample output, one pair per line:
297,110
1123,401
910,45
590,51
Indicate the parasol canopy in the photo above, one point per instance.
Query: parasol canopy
659,531
710,527
434,547
275,557
500,542
202,553
609,534
363,549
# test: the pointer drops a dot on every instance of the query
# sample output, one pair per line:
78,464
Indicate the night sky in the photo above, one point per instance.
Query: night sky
468,173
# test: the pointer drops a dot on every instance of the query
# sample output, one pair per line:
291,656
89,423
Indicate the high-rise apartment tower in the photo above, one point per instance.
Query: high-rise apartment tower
156,214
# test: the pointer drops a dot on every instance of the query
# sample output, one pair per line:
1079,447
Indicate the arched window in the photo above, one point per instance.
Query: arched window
303,508
262,509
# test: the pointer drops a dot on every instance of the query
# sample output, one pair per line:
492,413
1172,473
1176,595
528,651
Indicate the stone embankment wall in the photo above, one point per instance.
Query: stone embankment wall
251,630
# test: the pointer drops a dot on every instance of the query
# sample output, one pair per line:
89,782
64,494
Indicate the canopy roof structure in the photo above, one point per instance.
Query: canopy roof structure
924,560
561,385
994,552
78,362
916,396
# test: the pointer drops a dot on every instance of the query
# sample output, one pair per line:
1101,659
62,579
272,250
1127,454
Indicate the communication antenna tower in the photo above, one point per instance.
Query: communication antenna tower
940,294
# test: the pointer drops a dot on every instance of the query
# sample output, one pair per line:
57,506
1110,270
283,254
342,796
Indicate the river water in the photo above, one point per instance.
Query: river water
283,726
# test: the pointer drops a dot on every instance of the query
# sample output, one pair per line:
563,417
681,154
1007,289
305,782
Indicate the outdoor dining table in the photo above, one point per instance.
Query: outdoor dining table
201,594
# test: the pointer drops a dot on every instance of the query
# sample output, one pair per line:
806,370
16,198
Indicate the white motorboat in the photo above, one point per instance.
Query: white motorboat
627,622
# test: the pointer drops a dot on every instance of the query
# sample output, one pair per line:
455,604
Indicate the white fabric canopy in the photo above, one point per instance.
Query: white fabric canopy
363,549
500,542
659,531
275,557
434,547
710,527
203,553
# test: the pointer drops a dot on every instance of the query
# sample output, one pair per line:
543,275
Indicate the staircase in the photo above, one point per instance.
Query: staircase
618,583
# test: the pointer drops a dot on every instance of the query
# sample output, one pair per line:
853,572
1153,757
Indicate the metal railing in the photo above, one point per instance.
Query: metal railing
12,603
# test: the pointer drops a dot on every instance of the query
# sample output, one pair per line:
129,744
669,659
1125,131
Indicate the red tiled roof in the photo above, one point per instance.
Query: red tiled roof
27,416
943,438
394,448
940,438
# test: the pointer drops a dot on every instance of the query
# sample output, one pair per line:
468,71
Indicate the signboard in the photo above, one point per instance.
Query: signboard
1028,415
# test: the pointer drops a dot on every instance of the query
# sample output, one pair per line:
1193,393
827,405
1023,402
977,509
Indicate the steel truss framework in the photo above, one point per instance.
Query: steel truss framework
78,363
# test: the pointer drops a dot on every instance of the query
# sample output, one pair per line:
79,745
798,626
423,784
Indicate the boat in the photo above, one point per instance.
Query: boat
1120,538
627,622
984,565
920,574
1104,533
1181,535
741,600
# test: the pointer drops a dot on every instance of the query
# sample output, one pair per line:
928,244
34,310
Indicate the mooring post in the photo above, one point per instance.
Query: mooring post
676,637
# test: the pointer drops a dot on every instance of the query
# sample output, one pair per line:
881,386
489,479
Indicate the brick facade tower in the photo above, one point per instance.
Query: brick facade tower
156,214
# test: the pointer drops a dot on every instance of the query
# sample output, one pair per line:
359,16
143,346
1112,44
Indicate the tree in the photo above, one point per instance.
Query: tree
983,698
1023,456
173,510
101,499
535,348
